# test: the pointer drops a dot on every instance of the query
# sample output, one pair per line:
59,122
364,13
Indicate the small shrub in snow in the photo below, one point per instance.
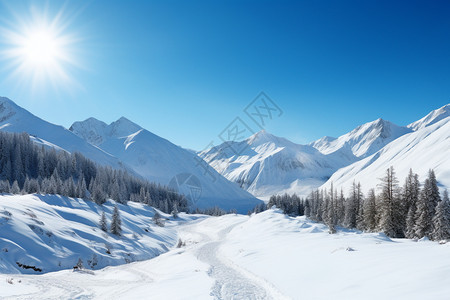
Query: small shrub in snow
158,220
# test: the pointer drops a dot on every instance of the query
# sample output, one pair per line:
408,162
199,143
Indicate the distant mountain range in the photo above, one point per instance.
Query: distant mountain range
273,165
265,164
124,144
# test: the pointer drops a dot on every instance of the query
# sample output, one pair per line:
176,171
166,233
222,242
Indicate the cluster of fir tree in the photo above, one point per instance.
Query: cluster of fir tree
412,211
29,168
213,211
290,204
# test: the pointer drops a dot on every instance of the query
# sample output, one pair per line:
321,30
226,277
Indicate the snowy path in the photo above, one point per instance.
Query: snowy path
231,280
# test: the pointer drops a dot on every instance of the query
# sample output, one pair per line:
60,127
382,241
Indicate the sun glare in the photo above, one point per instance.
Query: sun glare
40,48
38,51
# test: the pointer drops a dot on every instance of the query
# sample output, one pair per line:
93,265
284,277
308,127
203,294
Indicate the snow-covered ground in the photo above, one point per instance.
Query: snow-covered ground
51,233
265,256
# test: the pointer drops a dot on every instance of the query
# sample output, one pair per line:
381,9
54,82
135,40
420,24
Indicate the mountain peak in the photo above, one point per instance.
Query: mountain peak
364,140
95,131
123,127
262,137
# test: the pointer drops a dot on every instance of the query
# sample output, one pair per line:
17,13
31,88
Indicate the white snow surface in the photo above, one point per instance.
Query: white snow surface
265,256
265,165
159,160
13,118
52,232
426,148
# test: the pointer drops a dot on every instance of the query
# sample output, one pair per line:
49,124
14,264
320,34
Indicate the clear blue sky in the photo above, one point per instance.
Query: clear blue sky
185,69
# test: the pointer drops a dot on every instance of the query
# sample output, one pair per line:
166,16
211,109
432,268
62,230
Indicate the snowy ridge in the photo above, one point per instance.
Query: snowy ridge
363,140
431,118
51,233
268,165
427,148
159,160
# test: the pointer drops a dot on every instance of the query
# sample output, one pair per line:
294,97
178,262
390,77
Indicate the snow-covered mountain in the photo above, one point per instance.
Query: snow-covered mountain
267,165
363,140
14,118
428,147
159,160
124,144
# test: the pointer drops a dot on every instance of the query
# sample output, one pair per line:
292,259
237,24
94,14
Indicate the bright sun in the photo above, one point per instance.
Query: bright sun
39,51
41,48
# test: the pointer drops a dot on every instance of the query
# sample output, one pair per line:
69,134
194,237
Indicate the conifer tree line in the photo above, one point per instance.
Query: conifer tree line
26,167
412,211
290,204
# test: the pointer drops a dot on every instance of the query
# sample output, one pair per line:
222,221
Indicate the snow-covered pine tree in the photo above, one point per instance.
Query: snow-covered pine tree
103,222
4,186
389,193
340,208
307,208
116,222
351,207
370,211
441,220
411,191
435,198
175,211
360,208
423,216
15,189
331,210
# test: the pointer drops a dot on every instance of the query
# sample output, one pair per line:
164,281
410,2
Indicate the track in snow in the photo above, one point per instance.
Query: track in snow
233,282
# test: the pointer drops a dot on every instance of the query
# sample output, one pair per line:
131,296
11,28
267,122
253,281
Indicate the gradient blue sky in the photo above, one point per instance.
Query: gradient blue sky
185,69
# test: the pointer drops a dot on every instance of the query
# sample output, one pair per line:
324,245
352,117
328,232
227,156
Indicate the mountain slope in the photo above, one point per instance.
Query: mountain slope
363,140
51,233
427,148
268,165
159,160
13,118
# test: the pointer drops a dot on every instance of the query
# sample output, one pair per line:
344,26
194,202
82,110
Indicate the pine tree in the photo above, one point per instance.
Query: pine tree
389,193
423,216
15,189
434,192
370,211
116,222
351,207
175,211
411,191
441,220
307,208
340,208
103,222
360,208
